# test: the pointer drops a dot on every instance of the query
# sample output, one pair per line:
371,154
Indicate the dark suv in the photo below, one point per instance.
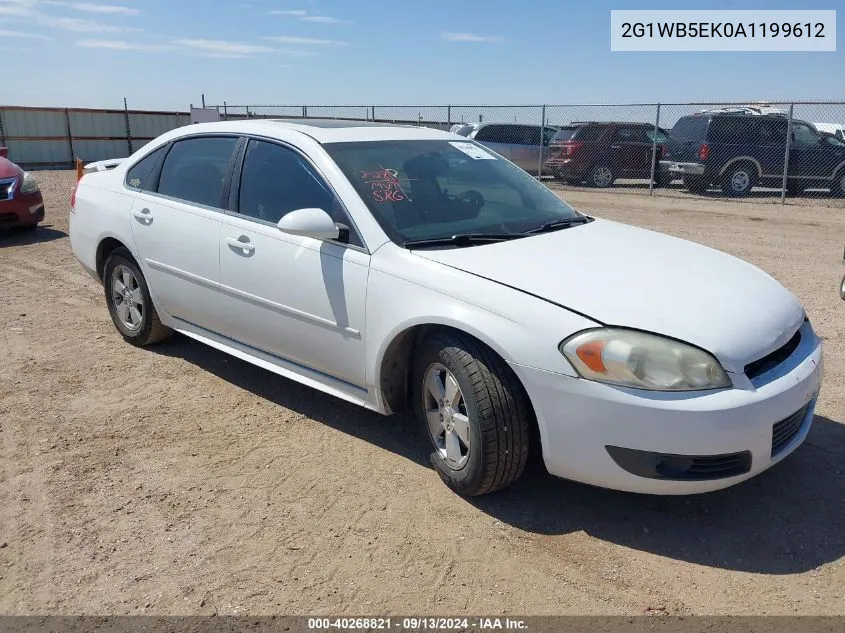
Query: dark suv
739,151
599,152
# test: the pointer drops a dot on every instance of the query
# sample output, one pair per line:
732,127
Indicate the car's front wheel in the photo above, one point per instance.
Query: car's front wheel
128,298
474,412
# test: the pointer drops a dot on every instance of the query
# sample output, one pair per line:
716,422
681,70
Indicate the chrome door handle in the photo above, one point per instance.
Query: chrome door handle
242,243
145,215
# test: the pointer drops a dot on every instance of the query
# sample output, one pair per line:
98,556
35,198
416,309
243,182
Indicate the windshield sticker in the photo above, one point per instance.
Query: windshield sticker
473,151
384,185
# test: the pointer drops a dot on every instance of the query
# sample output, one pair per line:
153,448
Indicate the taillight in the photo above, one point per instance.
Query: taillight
703,151
570,146
663,151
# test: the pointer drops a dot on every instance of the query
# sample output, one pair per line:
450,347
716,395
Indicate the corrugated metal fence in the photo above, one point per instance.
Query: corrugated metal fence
52,138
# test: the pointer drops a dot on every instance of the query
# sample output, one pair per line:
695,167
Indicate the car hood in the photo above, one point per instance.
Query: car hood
8,169
625,276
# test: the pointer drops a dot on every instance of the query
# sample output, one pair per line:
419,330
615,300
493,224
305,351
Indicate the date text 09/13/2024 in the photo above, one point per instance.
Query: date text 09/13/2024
416,623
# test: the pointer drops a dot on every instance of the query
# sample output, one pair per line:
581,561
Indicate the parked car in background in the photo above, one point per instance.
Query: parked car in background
520,143
402,268
463,128
738,152
21,204
600,152
836,129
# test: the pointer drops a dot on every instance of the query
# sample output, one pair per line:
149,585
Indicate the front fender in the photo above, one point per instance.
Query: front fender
405,291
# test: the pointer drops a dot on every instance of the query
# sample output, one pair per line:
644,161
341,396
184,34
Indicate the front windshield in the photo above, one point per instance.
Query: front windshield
430,189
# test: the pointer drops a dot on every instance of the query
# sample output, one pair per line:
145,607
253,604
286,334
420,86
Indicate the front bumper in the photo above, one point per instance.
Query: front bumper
580,419
22,210
682,169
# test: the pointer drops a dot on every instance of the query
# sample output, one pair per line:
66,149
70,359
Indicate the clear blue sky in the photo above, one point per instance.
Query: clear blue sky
165,53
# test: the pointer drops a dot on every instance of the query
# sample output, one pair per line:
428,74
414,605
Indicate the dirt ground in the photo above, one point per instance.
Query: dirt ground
177,480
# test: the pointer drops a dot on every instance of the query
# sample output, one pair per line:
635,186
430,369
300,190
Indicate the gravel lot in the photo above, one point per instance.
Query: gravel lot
178,480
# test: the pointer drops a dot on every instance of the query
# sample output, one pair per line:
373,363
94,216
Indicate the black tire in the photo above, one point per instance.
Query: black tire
837,187
739,179
601,176
150,329
696,184
499,413
842,289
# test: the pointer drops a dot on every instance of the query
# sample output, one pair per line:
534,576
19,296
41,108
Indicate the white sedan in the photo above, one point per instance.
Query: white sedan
403,268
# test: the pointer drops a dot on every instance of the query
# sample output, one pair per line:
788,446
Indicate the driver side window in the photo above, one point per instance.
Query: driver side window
276,180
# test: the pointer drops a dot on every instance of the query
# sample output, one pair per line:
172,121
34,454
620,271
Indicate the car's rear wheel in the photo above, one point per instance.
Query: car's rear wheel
601,176
739,179
473,411
128,298
696,184
842,289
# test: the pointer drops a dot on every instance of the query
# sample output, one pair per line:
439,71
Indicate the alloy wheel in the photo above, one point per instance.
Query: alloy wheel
447,417
127,298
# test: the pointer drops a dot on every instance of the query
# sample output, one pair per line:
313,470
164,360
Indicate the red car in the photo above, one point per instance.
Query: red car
599,152
21,204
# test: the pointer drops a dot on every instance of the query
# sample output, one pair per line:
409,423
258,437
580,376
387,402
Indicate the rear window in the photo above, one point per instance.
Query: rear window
589,133
565,133
690,128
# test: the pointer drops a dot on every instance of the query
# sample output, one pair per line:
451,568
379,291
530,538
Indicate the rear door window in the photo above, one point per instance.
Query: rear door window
772,132
527,135
630,134
195,169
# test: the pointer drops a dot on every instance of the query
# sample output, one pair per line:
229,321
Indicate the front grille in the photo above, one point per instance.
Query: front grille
680,467
784,431
7,188
761,366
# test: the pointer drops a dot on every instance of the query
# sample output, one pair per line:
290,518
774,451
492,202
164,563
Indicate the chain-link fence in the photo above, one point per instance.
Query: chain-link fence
779,152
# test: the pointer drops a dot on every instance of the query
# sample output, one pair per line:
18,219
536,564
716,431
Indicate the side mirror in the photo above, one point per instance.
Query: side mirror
314,223
4,151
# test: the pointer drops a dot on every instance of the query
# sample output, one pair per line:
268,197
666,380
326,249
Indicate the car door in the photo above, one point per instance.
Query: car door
176,225
812,157
497,137
297,298
632,151
768,144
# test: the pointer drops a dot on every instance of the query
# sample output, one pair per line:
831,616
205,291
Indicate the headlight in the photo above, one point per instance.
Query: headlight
28,184
643,361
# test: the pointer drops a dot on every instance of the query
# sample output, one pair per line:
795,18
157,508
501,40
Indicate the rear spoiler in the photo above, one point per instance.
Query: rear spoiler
100,165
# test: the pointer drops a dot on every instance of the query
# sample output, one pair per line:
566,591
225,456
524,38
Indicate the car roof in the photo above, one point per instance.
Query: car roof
322,130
